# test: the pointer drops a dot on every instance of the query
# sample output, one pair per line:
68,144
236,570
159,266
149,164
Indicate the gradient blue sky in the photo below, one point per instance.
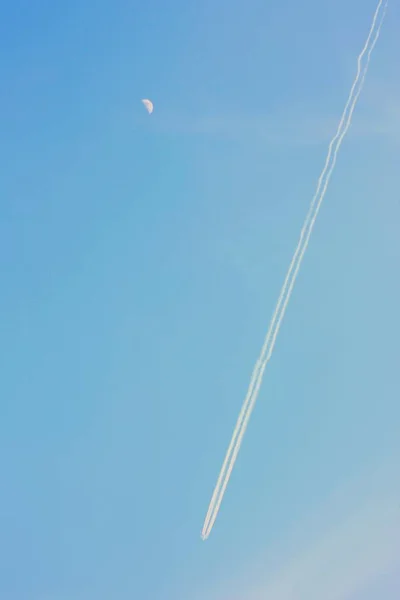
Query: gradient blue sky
141,258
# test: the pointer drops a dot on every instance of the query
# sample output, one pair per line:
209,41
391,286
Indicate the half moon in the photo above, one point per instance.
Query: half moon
148,105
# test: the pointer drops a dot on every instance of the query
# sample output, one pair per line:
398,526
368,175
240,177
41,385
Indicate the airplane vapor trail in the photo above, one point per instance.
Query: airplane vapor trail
291,276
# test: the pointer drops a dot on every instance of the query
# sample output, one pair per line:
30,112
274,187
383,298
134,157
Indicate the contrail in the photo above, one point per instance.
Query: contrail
287,288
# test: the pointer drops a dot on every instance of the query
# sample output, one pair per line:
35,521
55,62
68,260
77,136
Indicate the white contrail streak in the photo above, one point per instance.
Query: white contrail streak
287,288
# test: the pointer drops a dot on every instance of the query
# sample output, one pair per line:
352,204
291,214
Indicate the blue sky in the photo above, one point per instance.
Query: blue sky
141,258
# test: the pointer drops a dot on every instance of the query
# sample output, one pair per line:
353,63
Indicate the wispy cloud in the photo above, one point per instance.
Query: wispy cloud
346,547
294,128
379,116
345,561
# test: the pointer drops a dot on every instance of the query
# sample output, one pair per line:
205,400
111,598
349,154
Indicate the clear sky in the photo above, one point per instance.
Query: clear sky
140,260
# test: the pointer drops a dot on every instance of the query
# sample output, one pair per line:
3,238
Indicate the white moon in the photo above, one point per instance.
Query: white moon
148,105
